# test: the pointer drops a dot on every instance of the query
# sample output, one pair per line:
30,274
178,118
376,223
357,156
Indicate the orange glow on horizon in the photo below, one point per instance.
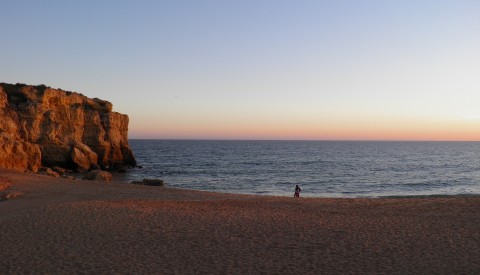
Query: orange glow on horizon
421,130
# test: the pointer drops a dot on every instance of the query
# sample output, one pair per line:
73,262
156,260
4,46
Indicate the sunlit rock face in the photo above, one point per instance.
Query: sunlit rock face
51,127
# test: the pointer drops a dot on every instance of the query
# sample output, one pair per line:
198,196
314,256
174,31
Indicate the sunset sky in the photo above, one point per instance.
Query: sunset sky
342,70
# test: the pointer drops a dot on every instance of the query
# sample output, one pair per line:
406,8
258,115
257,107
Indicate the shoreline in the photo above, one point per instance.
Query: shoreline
60,225
287,195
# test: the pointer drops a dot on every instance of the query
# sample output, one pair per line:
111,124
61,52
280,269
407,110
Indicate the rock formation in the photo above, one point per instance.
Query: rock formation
41,126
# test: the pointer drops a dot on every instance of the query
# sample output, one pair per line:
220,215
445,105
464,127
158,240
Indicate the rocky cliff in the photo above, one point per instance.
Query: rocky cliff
41,126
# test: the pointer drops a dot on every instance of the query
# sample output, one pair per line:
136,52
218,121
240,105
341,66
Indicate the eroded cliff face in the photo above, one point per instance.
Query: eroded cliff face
51,127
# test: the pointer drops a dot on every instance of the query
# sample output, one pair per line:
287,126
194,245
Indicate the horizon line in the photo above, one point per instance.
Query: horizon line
326,140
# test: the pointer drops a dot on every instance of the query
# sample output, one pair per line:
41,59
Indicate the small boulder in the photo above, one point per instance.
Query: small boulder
59,170
98,175
48,172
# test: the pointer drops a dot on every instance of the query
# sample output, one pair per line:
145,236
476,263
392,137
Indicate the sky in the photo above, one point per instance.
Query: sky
258,69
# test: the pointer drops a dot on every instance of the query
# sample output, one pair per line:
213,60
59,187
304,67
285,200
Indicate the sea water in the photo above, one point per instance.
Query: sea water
321,168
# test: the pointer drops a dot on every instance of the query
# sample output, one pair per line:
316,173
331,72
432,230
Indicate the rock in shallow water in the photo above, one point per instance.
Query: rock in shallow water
150,182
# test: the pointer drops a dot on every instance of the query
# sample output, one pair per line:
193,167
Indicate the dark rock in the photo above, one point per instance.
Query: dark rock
122,169
150,182
95,167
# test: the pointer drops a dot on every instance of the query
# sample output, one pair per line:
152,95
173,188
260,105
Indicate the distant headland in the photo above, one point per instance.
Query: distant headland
45,127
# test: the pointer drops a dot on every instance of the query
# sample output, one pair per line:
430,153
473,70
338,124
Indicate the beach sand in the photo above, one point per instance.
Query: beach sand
62,226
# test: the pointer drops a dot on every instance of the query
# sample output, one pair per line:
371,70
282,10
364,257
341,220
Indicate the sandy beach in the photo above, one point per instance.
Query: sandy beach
60,226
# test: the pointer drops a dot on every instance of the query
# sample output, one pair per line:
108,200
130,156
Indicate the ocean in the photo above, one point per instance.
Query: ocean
321,168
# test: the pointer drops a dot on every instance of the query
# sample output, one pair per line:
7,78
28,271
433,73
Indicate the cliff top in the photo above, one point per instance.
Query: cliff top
21,93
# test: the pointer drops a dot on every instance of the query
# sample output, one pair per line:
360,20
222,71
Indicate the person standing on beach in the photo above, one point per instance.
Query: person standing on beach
297,191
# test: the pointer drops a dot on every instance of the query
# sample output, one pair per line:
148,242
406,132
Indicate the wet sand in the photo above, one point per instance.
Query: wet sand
61,226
